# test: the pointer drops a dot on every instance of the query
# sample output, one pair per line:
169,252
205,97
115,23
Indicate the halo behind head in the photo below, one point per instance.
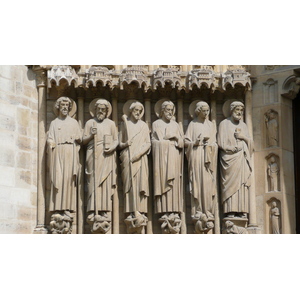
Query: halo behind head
92,106
73,109
194,105
128,106
158,107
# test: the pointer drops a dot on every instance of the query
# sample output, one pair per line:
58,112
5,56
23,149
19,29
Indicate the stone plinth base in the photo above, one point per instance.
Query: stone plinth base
40,230
254,230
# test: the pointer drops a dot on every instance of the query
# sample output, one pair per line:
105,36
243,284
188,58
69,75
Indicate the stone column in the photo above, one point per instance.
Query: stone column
41,178
180,122
150,200
115,221
248,119
80,192
213,116
213,109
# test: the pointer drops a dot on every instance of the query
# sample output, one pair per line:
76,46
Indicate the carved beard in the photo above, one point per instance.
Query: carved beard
168,116
101,116
236,116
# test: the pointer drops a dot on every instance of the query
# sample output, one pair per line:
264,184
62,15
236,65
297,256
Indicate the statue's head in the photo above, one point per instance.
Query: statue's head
274,204
237,110
202,110
271,114
272,159
228,224
167,110
136,110
101,109
63,105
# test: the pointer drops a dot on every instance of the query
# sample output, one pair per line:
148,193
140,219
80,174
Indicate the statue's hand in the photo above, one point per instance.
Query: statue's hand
109,151
171,137
197,142
52,145
239,136
94,130
234,149
128,143
135,158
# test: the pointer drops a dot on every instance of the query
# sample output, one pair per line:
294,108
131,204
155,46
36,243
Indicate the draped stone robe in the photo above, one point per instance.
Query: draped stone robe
63,163
235,168
135,175
202,161
106,167
275,220
167,164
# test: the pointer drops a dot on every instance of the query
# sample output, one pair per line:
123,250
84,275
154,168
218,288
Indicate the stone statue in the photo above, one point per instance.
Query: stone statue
136,222
272,128
273,175
202,223
171,223
230,228
100,223
275,214
61,223
167,143
202,153
135,143
236,147
101,137
63,144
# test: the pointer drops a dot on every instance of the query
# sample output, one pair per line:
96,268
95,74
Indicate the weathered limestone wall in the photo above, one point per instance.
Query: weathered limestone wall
267,91
18,149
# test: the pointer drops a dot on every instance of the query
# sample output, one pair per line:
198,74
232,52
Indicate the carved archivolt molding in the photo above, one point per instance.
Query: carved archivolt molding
58,73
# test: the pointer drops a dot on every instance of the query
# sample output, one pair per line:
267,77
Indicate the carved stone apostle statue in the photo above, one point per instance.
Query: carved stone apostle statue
275,214
202,152
273,173
167,143
135,144
101,137
236,147
272,128
63,142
